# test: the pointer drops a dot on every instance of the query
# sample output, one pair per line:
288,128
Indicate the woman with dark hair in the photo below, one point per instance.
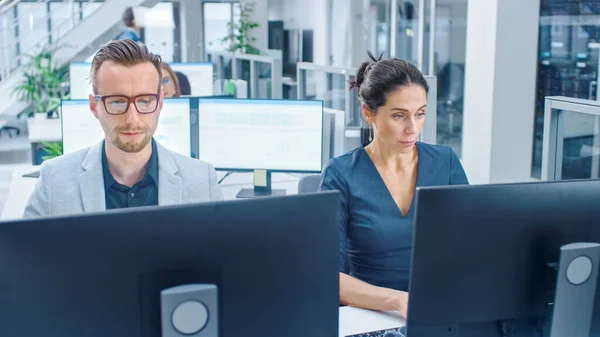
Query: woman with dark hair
184,84
377,184
170,83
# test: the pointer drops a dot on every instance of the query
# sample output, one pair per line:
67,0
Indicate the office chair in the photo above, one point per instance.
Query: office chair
309,184
10,130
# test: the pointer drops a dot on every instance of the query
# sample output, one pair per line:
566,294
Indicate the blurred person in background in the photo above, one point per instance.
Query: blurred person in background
132,32
184,84
170,83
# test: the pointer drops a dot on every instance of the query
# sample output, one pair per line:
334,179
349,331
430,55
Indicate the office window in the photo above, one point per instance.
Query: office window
63,16
217,17
568,59
8,50
449,56
32,27
379,23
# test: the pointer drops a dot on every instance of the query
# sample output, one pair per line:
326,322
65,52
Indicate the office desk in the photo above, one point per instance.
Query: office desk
22,187
354,321
19,192
42,129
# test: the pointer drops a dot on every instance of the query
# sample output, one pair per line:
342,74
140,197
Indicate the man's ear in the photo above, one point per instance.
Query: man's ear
93,105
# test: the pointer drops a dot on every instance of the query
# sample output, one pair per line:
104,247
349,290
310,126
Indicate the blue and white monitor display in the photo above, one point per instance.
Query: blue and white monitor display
277,135
80,129
198,75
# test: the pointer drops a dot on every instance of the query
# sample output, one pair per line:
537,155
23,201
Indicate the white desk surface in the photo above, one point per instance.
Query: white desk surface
19,192
354,321
22,187
44,130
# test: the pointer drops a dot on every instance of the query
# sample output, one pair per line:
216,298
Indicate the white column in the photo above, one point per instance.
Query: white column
500,80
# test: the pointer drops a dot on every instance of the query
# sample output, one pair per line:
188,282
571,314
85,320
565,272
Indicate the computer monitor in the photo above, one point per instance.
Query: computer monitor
275,266
194,138
261,135
79,80
482,256
195,79
80,129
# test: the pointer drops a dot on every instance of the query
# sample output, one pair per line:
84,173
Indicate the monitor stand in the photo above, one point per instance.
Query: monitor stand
575,290
252,193
262,186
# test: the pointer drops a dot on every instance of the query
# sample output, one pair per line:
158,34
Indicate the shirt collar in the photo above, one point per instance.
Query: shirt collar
152,170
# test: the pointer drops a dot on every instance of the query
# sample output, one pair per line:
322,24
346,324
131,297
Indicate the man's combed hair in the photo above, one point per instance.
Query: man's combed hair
127,53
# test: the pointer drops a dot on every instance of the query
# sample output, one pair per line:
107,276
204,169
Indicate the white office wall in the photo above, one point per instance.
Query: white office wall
159,28
216,23
500,82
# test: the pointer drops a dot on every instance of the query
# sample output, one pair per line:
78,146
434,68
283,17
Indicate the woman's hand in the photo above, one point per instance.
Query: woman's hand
398,301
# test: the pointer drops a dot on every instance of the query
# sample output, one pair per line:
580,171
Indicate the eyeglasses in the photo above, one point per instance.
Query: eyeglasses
118,104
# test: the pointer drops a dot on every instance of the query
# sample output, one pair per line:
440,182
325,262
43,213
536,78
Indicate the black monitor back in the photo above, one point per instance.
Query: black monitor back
275,261
480,255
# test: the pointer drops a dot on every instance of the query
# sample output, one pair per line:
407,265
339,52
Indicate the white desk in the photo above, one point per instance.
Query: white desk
19,192
22,187
354,321
42,129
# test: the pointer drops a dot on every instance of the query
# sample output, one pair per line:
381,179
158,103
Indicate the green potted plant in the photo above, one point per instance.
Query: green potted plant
53,149
43,83
42,88
239,38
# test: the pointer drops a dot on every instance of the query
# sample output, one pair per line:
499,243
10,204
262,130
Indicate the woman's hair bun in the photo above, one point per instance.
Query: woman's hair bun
363,70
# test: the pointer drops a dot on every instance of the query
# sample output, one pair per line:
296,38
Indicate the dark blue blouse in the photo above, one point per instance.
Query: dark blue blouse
376,239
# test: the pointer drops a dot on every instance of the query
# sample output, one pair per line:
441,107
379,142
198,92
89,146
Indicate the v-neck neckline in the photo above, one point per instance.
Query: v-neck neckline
388,192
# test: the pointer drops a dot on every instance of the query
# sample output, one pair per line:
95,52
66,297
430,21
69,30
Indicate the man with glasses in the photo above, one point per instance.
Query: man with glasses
128,168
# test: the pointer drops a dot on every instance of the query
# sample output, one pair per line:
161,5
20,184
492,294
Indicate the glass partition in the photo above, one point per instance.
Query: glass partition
263,80
263,74
571,148
222,68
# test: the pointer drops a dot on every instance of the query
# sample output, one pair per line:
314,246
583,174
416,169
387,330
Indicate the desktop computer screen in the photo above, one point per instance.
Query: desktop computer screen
275,272
80,129
274,135
483,259
79,80
195,79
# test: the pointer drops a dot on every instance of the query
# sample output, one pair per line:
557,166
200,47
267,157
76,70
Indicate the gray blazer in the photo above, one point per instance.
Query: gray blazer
74,183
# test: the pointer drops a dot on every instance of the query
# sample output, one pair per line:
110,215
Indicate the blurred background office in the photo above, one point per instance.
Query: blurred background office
494,63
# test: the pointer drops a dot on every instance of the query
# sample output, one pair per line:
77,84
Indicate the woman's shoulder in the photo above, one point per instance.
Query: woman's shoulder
347,161
435,151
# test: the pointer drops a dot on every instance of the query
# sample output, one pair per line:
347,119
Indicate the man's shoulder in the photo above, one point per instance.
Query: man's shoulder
189,164
66,162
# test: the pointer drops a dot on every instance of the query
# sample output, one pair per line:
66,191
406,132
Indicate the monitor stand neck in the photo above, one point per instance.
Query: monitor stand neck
575,290
262,186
